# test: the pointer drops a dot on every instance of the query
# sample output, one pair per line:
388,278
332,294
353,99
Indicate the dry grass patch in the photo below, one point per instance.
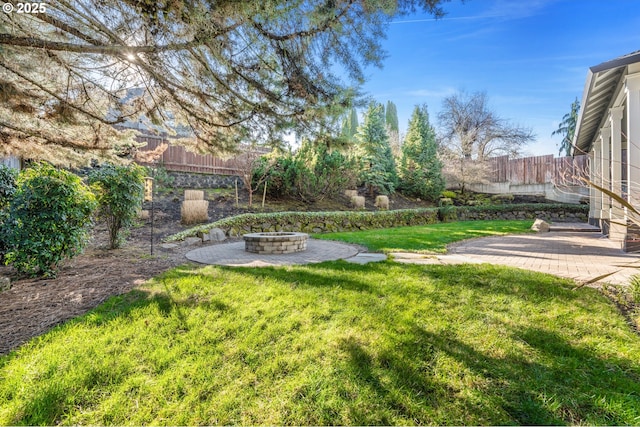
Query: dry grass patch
193,194
357,202
194,211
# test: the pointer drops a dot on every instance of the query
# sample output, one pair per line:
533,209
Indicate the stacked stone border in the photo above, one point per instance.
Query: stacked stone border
328,222
559,212
275,242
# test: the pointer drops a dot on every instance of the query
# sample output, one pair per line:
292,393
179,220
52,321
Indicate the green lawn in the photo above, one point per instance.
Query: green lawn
334,343
427,239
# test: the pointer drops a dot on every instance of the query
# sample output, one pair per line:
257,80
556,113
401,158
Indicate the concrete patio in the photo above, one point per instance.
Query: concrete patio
571,252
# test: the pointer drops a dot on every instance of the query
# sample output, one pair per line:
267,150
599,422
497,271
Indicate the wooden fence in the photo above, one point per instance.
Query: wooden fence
177,158
528,170
538,170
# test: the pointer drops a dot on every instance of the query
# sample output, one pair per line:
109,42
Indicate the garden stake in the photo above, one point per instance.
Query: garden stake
264,193
236,192
151,221
149,196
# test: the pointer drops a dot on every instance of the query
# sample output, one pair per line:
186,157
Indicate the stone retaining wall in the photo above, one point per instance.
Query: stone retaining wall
579,214
198,180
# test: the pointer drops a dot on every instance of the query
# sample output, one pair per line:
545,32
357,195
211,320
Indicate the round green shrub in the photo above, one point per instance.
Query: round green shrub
447,213
119,191
49,220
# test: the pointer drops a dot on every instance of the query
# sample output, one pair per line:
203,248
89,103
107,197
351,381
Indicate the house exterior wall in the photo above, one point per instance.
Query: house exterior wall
11,161
615,154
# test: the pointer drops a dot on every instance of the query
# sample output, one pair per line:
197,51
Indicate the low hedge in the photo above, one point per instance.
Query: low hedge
327,222
313,222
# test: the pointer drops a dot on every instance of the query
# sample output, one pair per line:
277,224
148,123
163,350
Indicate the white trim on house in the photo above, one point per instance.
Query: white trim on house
608,129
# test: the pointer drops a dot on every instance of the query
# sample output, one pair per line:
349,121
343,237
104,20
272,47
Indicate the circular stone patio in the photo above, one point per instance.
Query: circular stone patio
233,254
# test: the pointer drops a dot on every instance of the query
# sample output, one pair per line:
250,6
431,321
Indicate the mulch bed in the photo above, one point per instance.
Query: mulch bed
33,306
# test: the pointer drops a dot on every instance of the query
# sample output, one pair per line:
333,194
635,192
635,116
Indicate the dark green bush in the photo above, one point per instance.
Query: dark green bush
279,173
8,178
7,190
313,173
447,213
119,191
162,177
321,172
49,220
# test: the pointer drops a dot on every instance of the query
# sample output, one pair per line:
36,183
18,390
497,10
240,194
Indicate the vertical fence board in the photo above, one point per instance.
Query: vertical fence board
177,158
538,170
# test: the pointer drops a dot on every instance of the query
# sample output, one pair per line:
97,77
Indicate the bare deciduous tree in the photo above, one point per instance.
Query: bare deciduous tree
247,164
459,172
473,130
471,133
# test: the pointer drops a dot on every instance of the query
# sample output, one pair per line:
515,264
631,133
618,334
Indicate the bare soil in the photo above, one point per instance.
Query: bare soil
33,306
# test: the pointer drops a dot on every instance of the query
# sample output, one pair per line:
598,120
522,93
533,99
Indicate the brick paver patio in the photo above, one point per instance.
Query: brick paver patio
579,256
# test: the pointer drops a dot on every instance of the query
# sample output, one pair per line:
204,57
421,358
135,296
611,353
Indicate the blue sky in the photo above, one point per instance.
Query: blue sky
530,56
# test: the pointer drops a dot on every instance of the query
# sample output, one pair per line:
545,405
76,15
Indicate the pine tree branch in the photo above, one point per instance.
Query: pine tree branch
60,99
327,24
62,142
115,50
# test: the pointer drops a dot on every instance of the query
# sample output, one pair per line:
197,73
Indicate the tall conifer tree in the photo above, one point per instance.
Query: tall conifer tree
219,74
392,116
350,124
420,168
378,165
393,130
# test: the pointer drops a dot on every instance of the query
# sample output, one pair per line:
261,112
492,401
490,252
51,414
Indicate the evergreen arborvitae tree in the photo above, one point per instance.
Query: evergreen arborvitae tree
378,165
393,130
420,168
392,116
350,125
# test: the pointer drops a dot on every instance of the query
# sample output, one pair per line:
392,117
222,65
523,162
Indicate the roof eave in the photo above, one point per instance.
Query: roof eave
576,149
583,139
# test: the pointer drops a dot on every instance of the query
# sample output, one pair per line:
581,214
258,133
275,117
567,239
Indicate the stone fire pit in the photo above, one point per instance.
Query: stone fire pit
275,242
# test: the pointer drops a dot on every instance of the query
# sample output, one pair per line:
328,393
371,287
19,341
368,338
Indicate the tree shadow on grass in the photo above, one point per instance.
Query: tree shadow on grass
567,384
497,280
330,274
559,383
63,387
521,391
531,390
